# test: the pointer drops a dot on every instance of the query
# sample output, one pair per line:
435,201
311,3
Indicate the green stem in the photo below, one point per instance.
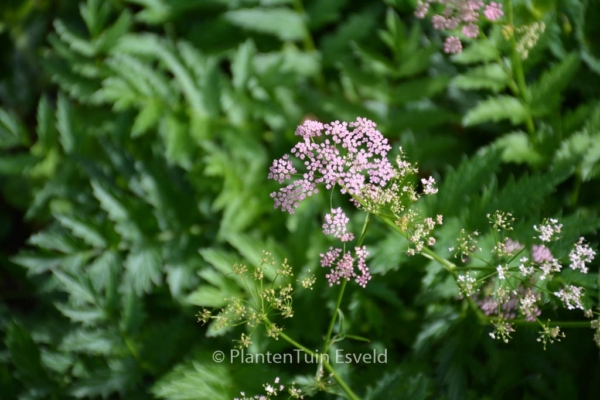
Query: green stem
518,70
341,293
334,316
294,343
308,42
426,252
562,324
577,188
340,381
449,266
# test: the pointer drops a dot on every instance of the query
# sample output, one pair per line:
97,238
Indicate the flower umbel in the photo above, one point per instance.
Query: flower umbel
350,156
463,14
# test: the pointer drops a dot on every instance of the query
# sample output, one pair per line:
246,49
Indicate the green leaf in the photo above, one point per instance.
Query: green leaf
144,268
545,93
518,149
464,184
482,50
53,240
186,79
400,384
241,64
209,296
37,263
64,125
284,23
490,76
179,144
115,209
25,356
107,40
83,315
115,378
148,117
221,260
416,89
413,63
584,149
12,131
132,314
87,232
358,338
496,109
75,41
45,124
17,164
92,341
94,13
79,291
197,379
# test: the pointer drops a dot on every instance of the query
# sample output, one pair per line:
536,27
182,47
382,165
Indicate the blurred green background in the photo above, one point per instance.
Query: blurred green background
135,142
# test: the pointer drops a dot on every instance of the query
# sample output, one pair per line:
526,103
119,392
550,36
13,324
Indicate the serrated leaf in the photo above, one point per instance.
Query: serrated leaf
144,268
79,291
179,144
416,89
552,83
37,263
518,149
219,259
53,240
208,296
497,109
64,125
12,131
132,314
284,23
45,124
109,37
490,76
465,182
148,117
17,164
74,40
115,209
401,385
479,51
117,377
85,316
87,232
25,355
105,270
195,380
94,13
92,341
413,63
241,64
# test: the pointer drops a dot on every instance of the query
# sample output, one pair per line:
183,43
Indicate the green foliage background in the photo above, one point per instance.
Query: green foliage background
135,141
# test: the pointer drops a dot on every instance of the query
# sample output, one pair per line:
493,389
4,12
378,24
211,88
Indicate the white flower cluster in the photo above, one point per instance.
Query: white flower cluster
548,229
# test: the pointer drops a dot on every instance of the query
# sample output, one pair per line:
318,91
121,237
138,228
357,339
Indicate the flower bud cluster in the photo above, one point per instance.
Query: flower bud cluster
263,299
272,390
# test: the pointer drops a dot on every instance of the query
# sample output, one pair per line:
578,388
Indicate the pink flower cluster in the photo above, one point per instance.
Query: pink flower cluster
350,158
522,299
459,13
342,266
335,224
